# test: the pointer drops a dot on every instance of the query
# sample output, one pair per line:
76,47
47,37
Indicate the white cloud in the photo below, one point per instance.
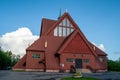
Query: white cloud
100,46
17,41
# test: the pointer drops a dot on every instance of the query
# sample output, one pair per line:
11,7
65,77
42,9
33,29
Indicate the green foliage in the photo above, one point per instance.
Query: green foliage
113,65
15,59
83,78
78,74
7,60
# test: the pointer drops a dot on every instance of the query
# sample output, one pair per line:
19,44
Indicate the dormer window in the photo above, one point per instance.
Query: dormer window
64,28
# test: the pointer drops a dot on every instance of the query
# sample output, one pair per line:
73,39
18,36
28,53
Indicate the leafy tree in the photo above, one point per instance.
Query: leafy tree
7,59
15,59
113,65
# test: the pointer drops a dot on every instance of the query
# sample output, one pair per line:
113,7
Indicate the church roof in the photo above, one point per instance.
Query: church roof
66,14
59,42
97,50
52,43
46,24
67,41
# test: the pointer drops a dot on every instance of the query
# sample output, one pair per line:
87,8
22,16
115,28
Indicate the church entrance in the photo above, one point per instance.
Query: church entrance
78,63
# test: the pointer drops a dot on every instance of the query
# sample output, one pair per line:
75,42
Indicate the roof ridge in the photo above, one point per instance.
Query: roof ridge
48,19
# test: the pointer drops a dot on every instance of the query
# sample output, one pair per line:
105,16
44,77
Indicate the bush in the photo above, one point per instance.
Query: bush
113,65
77,74
7,59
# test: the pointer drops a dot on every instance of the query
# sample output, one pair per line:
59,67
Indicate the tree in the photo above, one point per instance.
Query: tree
15,59
113,65
7,59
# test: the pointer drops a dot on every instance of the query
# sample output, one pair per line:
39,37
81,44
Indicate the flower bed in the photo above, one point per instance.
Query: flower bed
77,75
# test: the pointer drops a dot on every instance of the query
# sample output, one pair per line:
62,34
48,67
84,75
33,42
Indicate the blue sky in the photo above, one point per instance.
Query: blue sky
99,20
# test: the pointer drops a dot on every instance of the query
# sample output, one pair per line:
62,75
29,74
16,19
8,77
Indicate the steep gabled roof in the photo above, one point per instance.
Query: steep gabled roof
97,50
61,42
38,45
46,24
20,63
52,43
60,19
71,37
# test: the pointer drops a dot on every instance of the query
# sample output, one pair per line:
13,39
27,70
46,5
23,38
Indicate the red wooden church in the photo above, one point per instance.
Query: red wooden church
61,45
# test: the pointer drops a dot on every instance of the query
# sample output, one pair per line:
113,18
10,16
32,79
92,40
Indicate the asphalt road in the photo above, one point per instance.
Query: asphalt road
11,75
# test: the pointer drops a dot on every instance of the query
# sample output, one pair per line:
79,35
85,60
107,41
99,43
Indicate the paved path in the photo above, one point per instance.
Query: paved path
11,75
104,76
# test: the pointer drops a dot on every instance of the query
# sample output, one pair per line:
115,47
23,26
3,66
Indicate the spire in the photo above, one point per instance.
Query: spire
59,14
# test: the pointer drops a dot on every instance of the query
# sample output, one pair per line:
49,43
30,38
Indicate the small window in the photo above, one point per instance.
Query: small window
86,61
100,59
69,60
35,55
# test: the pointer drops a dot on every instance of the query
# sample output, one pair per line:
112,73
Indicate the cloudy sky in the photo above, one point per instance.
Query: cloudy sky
99,20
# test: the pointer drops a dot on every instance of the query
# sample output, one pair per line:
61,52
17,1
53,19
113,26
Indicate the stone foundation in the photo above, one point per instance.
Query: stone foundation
52,71
34,70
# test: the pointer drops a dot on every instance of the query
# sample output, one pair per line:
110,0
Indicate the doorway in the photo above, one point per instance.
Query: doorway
78,63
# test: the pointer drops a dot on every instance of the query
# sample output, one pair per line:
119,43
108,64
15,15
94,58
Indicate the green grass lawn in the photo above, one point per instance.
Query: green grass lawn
83,78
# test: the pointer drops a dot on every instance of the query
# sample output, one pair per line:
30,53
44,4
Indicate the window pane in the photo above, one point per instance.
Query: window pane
68,31
68,23
55,31
35,55
72,30
64,31
64,22
71,25
86,61
60,31
69,60
60,24
100,59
